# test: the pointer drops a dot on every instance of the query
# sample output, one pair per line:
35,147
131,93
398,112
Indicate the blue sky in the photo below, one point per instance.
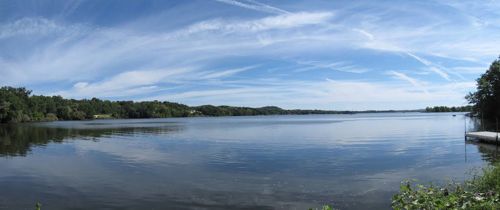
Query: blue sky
337,55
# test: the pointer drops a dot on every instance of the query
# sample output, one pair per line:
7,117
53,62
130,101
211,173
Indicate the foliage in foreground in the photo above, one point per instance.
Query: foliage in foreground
482,192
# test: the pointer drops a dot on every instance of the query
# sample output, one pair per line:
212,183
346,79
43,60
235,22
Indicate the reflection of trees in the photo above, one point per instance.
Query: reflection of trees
17,140
489,152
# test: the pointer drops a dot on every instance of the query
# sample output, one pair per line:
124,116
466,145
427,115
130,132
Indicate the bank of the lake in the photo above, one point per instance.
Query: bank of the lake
481,192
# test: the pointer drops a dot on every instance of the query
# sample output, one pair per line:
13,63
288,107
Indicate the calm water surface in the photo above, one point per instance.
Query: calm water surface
265,162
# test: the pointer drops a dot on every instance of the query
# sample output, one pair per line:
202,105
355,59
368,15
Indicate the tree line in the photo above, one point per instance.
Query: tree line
19,105
467,108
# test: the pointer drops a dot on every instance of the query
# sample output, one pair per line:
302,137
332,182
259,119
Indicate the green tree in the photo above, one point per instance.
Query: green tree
486,99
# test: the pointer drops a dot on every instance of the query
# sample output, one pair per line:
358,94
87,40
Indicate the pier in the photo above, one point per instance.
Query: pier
486,136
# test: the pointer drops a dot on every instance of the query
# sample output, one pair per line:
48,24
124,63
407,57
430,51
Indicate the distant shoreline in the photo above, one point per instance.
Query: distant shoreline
209,116
18,105
202,116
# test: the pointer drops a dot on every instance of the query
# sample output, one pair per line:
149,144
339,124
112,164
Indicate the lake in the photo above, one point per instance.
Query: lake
260,162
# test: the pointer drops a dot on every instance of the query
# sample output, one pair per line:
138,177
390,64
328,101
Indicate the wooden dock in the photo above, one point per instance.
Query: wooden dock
486,136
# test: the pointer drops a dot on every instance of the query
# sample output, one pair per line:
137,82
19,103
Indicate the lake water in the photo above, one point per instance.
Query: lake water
263,162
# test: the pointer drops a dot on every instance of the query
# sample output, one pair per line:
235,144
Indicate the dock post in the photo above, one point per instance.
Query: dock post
465,127
496,119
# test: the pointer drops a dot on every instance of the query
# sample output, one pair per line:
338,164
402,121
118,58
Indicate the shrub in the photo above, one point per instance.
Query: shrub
482,192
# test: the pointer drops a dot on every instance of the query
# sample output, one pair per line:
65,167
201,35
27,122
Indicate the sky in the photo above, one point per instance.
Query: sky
306,54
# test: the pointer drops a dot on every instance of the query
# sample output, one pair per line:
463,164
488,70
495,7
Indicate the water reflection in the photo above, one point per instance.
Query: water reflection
489,152
285,162
17,140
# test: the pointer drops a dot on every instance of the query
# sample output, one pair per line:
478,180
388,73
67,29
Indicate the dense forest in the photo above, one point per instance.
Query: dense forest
19,105
449,109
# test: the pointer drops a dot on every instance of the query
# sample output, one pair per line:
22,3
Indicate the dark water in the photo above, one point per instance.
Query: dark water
272,162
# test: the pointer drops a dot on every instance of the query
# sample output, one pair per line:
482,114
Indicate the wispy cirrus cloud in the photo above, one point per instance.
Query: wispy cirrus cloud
431,66
129,83
223,73
326,94
81,52
220,53
336,66
255,5
401,76
285,21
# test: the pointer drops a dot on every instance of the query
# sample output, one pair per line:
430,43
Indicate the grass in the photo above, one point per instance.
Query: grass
482,192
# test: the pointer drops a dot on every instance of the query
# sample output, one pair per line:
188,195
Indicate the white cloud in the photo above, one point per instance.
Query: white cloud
35,26
285,21
223,73
79,52
365,33
124,84
431,66
80,85
124,61
254,5
337,66
329,94
401,76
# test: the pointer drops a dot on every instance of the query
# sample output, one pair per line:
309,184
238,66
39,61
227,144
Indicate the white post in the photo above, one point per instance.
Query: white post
465,127
496,119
